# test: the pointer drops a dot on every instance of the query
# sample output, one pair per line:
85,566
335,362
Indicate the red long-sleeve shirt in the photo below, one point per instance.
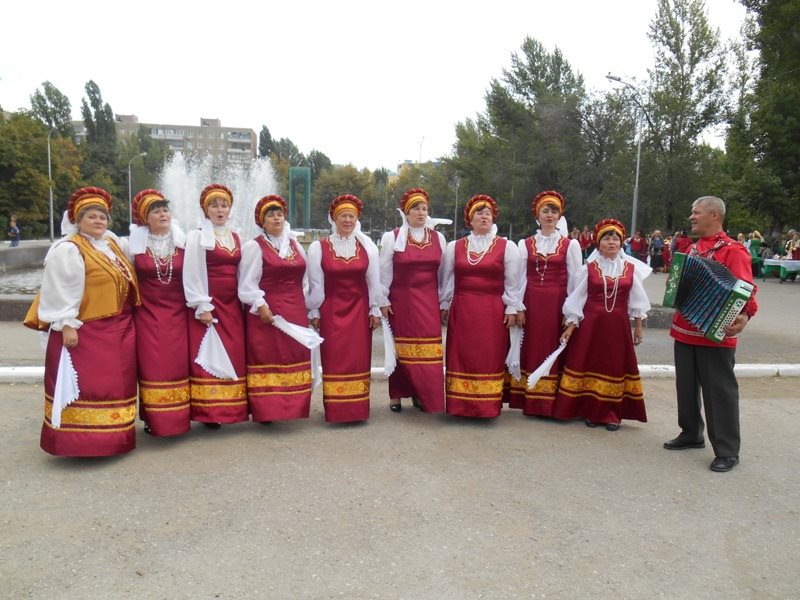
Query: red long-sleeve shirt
737,259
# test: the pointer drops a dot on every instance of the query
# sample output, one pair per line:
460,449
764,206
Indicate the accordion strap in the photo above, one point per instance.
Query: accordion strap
709,253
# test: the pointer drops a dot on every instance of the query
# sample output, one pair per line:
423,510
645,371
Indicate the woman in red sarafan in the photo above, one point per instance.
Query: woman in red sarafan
343,302
88,291
162,342
271,278
600,381
411,262
481,290
550,263
210,269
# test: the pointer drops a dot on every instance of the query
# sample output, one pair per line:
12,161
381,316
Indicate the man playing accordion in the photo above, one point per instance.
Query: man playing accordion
703,364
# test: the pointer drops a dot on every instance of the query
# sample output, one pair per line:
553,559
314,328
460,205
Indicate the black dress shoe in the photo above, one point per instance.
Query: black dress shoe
415,402
396,407
147,429
590,423
213,425
680,443
721,464
612,426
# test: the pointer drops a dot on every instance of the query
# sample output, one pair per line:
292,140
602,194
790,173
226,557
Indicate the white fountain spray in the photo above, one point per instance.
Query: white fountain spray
182,180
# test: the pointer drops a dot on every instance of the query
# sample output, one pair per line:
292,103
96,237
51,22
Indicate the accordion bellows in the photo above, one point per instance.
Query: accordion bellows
706,293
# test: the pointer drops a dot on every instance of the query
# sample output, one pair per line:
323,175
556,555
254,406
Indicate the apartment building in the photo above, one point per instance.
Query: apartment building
234,144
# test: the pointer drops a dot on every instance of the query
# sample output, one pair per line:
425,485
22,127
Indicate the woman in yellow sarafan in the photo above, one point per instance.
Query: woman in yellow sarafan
88,289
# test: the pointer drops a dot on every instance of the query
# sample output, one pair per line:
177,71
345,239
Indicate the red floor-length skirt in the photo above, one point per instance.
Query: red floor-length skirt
545,293
477,339
101,421
162,345
600,381
344,324
215,400
417,324
278,367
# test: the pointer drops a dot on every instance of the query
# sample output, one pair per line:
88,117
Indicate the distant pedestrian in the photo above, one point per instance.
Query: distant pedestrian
656,251
12,232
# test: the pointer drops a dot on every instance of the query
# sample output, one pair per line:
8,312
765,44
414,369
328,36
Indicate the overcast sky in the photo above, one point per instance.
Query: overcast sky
366,82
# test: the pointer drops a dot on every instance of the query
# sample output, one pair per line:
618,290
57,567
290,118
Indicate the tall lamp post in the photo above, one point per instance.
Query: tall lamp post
130,208
639,110
50,181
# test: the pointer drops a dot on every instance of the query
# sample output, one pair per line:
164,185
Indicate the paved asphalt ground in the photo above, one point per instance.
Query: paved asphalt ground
415,506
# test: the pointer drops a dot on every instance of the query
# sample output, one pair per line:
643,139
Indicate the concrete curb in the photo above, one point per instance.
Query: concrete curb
36,374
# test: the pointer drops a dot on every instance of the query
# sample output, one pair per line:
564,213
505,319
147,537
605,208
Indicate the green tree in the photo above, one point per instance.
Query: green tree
317,162
686,92
774,134
266,145
100,166
530,137
24,185
335,182
53,109
285,149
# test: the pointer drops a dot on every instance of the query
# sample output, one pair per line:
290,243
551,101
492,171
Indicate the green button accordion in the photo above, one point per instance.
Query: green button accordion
706,293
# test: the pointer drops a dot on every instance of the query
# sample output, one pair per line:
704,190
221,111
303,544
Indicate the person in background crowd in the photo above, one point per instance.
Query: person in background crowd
792,251
656,252
86,299
480,301
586,241
792,246
600,381
681,242
12,232
344,300
701,364
639,246
156,249
411,264
210,284
666,254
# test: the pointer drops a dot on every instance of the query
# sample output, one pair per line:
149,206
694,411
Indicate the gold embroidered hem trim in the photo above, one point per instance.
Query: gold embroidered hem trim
156,396
79,413
279,380
345,388
482,387
603,388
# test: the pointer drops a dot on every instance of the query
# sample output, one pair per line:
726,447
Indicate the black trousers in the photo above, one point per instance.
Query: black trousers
709,369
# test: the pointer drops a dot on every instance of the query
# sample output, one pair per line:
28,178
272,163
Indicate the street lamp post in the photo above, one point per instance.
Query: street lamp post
639,111
420,150
130,208
50,182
